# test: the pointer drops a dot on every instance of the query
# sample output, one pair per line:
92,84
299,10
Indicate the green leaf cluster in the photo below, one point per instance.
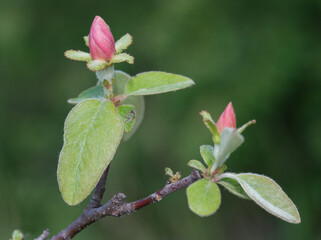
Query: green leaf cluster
224,144
204,196
96,125
114,108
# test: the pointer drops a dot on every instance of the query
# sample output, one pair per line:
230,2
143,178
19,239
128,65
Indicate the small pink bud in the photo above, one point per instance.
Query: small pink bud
227,119
101,40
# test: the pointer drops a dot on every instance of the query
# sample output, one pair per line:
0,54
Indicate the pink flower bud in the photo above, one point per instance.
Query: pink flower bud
227,119
101,40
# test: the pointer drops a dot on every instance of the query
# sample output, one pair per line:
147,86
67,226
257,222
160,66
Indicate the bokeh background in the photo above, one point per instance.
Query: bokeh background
262,55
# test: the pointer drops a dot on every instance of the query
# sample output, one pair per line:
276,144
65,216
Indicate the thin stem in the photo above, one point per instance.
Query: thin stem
44,235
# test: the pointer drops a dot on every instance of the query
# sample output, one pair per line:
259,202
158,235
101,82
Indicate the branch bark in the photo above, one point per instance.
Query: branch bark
117,207
99,191
45,234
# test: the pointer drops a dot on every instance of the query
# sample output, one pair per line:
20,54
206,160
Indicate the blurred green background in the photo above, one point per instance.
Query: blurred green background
262,55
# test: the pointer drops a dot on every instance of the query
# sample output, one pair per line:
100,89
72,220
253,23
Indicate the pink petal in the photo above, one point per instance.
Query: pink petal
227,118
101,40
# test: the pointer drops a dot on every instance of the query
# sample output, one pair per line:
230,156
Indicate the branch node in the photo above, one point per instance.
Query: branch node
158,197
196,175
118,199
117,207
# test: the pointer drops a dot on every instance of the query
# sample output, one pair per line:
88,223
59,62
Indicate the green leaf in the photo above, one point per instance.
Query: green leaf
230,141
149,83
209,123
233,186
121,78
169,172
269,195
97,65
78,55
17,235
93,130
86,41
123,43
127,114
96,92
139,103
203,197
207,154
122,57
197,165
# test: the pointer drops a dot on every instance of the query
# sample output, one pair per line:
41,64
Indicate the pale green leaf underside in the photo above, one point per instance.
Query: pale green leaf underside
234,187
138,101
197,165
230,141
269,195
127,114
203,197
207,154
97,65
78,55
96,92
149,83
93,130
123,43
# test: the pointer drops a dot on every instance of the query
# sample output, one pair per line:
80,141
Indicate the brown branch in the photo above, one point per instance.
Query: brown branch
116,206
99,191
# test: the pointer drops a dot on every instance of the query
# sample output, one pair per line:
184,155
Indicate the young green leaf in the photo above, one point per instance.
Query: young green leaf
96,92
230,141
197,165
127,114
123,43
203,197
77,55
149,83
207,154
169,172
209,123
233,186
97,65
269,195
122,57
93,130
121,78
17,235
